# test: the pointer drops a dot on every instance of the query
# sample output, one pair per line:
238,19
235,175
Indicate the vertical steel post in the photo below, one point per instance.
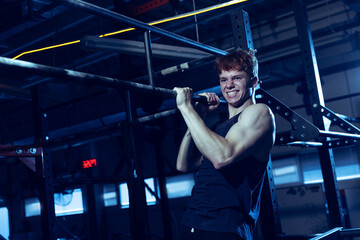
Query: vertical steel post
314,90
269,214
148,54
165,211
139,224
92,212
44,166
242,30
164,201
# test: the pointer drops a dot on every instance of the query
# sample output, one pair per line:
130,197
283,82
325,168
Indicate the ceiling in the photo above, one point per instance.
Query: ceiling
33,24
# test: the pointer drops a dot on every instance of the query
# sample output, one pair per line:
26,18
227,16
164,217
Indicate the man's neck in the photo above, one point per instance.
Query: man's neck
235,110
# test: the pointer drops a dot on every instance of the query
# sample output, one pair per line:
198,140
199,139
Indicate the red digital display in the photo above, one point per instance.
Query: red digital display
89,163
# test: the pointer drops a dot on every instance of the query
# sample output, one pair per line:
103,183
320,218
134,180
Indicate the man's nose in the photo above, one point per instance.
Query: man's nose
229,83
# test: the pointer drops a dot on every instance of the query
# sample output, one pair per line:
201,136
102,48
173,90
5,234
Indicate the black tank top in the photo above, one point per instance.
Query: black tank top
226,200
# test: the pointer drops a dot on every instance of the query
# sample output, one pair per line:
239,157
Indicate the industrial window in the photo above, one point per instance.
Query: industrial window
110,195
346,165
4,220
305,167
346,162
32,207
179,186
176,186
66,203
69,202
150,198
124,193
286,171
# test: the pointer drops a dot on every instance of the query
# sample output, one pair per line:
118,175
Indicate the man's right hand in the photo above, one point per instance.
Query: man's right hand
184,99
213,103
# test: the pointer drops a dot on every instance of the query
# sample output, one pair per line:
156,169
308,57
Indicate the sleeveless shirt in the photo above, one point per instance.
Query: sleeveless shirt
226,200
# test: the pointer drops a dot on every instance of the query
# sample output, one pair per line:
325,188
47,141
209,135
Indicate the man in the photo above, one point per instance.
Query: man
231,159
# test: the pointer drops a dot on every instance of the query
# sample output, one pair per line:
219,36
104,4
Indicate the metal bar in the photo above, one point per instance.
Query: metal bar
164,201
180,68
339,134
103,12
352,232
148,55
139,224
340,143
269,215
335,119
20,151
314,90
242,30
347,118
302,129
137,48
44,167
156,116
331,234
92,214
305,144
85,78
331,99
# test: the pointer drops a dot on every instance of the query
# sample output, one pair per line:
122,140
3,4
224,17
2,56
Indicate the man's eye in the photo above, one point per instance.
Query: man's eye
222,80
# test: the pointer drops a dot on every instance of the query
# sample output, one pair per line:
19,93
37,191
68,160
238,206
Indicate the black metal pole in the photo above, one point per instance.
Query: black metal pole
92,212
84,78
242,30
103,12
349,136
148,54
316,98
44,168
269,214
164,201
139,224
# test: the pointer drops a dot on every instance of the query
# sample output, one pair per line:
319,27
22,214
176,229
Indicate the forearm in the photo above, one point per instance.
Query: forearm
211,145
188,157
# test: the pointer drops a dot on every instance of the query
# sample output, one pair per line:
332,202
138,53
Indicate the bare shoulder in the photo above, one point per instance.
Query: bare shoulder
257,111
259,107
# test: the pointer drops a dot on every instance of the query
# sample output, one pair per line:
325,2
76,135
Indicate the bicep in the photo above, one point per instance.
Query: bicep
249,132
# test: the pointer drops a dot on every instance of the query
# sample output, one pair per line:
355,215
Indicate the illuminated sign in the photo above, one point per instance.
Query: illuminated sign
89,163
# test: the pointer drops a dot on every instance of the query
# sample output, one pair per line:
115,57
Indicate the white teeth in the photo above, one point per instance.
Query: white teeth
231,94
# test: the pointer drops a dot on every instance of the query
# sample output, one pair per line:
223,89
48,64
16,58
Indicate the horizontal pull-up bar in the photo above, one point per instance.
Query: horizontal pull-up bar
87,78
103,12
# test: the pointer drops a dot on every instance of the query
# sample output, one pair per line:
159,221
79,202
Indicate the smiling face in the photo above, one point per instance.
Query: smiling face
236,86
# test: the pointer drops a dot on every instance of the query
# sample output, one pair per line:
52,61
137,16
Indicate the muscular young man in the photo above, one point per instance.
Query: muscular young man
230,159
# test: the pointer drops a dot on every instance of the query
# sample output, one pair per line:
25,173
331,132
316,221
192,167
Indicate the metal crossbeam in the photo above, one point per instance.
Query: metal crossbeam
302,129
336,119
20,151
105,13
332,234
137,48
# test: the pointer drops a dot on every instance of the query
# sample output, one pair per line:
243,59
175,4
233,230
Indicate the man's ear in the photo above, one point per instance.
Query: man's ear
254,82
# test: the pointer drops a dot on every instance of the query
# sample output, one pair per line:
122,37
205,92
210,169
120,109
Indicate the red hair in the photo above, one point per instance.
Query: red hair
238,60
